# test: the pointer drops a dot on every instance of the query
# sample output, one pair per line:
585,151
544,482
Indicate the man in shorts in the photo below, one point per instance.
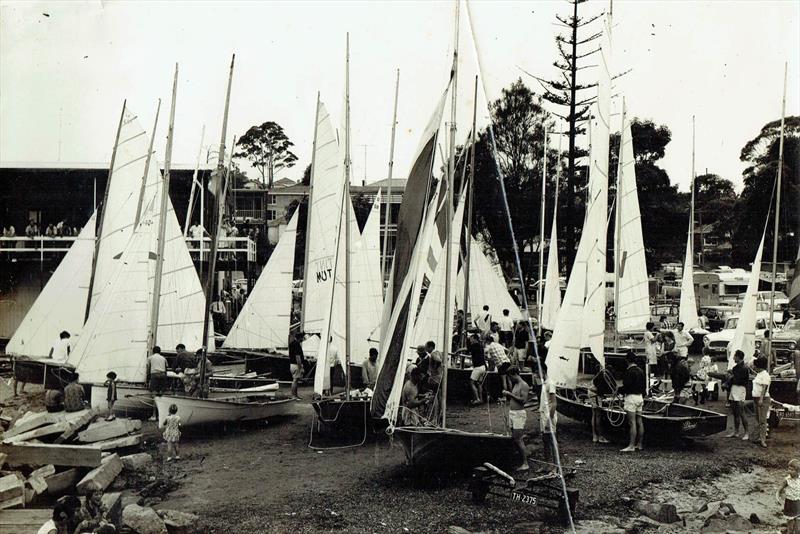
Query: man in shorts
157,371
478,373
633,388
296,361
516,412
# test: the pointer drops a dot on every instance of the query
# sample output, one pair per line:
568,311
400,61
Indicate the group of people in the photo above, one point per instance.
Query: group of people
60,229
72,516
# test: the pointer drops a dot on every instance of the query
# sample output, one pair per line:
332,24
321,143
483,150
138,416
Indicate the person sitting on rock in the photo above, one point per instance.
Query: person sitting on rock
92,514
74,396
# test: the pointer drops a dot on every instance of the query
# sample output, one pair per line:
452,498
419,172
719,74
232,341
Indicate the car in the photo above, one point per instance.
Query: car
717,316
785,341
715,344
670,310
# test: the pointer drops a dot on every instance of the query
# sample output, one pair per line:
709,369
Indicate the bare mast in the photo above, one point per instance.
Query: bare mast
468,239
388,215
308,216
346,215
541,230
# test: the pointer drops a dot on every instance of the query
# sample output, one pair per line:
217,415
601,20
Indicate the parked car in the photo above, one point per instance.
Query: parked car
670,310
784,341
717,316
716,343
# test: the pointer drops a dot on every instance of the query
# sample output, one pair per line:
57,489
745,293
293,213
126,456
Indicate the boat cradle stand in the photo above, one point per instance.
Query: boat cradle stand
543,490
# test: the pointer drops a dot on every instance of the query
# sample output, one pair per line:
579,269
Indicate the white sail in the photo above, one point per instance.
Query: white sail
432,318
485,286
633,308
744,339
324,211
265,316
119,211
551,303
114,337
62,303
687,312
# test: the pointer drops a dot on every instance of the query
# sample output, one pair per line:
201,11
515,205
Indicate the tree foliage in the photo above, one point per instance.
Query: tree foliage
268,149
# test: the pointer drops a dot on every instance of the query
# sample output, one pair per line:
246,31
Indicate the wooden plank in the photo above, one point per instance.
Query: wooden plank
119,443
23,521
104,430
47,430
43,454
76,426
63,482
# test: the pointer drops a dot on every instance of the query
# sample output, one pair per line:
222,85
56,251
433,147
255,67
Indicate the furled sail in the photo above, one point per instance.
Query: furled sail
403,289
485,286
265,316
633,308
551,303
62,303
687,312
744,339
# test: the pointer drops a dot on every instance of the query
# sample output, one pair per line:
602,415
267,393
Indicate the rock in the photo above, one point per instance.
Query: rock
178,522
663,513
112,505
102,476
134,462
726,508
754,519
719,524
143,520
528,527
129,498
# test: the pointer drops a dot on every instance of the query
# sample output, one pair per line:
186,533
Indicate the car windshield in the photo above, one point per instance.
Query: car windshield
732,322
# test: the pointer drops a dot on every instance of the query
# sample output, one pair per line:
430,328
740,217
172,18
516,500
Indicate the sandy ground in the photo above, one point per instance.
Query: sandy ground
264,477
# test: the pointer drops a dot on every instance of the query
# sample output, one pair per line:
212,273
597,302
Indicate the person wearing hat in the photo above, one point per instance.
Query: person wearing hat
296,361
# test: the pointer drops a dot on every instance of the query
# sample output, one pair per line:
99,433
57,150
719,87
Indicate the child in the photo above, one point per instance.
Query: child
111,394
700,390
172,432
790,487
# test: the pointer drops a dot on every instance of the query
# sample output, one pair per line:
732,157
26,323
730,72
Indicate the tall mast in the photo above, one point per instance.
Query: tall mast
618,229
388,215
541,229
468,239
103,209
146,168
194,186
308,216
777,220
162,223
691,214
215,223
346,215
448,319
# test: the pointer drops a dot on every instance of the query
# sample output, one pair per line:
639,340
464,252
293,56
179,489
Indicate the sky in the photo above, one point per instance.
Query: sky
66,67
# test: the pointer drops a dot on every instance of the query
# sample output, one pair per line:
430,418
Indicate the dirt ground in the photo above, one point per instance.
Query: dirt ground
264,477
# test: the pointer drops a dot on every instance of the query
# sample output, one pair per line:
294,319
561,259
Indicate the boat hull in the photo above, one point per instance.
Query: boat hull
45,371
460,391
663,421
448,449
195,412
339,417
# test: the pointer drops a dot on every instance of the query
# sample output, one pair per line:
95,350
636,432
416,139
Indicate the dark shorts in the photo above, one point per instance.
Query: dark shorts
158,382
503,368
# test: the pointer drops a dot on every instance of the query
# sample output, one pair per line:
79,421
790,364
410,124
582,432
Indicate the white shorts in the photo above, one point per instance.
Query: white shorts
737,394
517,418
478,373
634,403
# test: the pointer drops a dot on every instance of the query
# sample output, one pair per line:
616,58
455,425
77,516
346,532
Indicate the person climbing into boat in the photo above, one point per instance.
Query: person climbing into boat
483,322
478,373
369,371
296,361
506,327
603,384
517,414
496,353
737,384
633,388
548,417
681,377
650,345
411,399
789,488
762,400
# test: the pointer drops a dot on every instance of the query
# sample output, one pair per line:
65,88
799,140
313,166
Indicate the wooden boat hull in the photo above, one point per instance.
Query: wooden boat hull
275,364
44,371
351,418
429,448
460,391
195,412
662,421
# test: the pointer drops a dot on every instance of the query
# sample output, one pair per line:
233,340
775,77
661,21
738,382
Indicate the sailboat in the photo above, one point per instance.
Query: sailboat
661,419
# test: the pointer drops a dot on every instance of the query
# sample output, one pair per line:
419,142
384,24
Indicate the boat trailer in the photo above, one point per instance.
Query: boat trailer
544,490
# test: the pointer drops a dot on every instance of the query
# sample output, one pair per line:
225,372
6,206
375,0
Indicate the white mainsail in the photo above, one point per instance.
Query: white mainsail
265,316
687,312
633,308
551,303
62,303
485,286
744,339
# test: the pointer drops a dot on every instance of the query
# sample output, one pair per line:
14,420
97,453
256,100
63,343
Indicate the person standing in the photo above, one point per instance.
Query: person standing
506,325
681,376
739,377
521,338
478,373
61,348
790,489
603,384
496,353
172,433
651,346
369,371
483,322
517,414
296,358
157,376
633,389
218,312
333,361
548,417
111,393
703,320
183,359
683,340
762,400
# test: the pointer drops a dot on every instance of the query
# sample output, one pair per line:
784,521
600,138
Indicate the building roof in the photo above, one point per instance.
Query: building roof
283,182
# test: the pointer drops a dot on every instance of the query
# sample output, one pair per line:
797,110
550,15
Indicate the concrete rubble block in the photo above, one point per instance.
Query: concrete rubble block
112,506
663,513
46,430
104,430
76,425
134,462
12,491
143,520
102,476
119,443
179,522
30,453
60,483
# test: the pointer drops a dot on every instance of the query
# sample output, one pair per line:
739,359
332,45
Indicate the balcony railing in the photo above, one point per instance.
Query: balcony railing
14,248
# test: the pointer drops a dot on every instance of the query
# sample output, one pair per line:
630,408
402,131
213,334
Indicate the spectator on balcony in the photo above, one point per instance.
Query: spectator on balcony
32,230
51,230
60,228
9,231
